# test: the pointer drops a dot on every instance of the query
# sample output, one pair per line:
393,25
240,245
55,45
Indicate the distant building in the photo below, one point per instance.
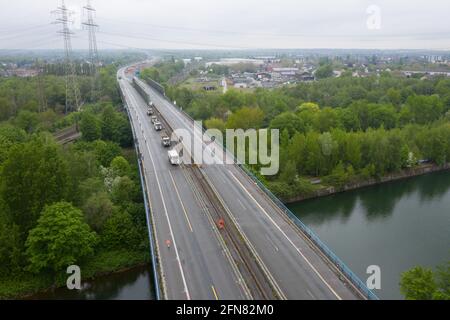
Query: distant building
306,76
232,61
241,85
286,71
24,73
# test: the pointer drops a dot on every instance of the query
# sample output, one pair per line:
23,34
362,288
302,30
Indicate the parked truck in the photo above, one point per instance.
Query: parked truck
154,119
174,158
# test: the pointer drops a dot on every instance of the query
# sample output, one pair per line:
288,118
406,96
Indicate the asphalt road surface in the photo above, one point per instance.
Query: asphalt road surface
201,268
195,265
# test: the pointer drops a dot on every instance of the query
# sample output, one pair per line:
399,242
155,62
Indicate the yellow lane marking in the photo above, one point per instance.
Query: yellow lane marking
215,293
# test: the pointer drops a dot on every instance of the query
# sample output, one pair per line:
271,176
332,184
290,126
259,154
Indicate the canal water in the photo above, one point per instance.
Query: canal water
395,226
133,284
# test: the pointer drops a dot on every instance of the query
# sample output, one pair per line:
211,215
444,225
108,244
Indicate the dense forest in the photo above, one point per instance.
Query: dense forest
61,205
342,130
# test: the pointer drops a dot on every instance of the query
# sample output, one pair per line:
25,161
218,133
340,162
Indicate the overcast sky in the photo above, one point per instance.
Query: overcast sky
239,24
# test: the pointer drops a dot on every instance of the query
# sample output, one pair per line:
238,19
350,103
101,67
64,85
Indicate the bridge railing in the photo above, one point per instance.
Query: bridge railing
155,263
337,262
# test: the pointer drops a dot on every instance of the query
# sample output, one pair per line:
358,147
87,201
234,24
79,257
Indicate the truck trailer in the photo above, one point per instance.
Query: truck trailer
174,158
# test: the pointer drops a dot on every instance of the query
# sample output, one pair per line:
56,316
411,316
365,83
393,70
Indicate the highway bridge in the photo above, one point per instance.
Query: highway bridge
261,253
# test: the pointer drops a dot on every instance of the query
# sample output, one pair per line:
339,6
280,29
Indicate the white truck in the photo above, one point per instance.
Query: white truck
174,158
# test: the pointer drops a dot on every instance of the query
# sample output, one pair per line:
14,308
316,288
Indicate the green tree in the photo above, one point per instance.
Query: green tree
324,71
246,118
61,238
425,109
289,172
215,123
97,209
109,124
6,109
418,284
35,174
27,121
123,190
443,282
327,119
106,151
11,246
394,96
120,166
90,127
120,232
288,121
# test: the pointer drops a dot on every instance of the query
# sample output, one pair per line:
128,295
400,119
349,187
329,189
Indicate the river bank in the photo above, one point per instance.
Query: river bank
134,283
403,174
26,285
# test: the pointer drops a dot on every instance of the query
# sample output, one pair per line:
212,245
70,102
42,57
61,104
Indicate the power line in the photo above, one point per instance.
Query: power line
24,33
21,30
30,44
145,37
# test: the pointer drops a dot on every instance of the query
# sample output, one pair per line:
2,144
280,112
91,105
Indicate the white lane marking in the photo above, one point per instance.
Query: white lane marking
310,293
285,235
181,201
242,205
272,243
168,221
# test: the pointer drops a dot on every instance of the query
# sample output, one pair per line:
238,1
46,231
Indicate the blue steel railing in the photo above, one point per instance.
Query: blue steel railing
338,263
155,264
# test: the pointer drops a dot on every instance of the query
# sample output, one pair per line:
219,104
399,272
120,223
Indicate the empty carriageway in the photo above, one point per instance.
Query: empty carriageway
196,265
297,266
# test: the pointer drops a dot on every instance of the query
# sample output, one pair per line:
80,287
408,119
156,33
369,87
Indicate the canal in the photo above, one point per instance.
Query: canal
133,284
395,226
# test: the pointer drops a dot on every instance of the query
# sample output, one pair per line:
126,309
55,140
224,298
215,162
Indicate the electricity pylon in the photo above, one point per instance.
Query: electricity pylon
91,26
72,90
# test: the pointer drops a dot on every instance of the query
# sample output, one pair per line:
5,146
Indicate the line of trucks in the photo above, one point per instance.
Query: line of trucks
174,157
